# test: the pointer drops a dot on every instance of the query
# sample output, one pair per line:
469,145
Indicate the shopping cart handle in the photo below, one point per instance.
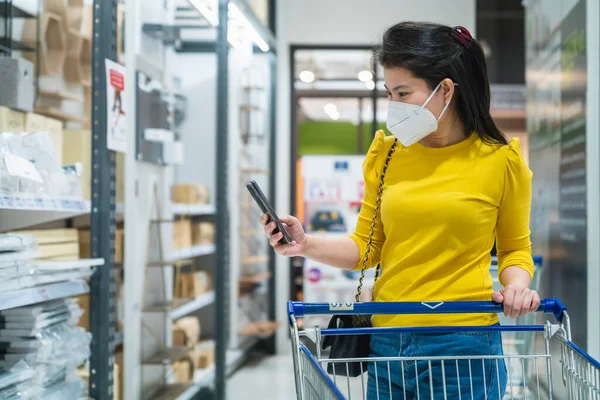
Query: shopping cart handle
299,309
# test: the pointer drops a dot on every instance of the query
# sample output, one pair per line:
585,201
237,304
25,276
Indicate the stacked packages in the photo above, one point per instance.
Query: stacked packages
29,166
18,270
44,339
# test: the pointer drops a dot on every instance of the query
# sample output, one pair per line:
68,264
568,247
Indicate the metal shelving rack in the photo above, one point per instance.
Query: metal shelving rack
141,176
103,209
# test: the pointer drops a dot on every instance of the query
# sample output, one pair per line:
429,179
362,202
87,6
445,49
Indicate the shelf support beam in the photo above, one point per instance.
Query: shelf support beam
222,220
102,288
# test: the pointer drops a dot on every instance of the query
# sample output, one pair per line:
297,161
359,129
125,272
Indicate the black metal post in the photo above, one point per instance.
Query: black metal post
271,346
293,157
374,97
102,288
222,218
361,127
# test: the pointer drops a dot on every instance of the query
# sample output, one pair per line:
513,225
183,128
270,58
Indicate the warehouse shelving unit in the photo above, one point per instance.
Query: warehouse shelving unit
152,40
19,212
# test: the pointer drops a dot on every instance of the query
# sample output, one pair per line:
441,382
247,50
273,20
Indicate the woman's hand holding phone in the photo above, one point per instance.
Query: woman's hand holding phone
293,226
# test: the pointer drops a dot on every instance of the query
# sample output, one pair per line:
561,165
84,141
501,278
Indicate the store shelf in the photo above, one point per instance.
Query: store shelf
38,294
194,251
194,209
181,307
255,259
74,264
176,263
264,171
170,392
204,377
15,11
23,211
15,45
259,329
254,279
199,303
61,95
168,356
62,116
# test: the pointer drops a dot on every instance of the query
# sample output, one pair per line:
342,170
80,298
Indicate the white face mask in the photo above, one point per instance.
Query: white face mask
410,123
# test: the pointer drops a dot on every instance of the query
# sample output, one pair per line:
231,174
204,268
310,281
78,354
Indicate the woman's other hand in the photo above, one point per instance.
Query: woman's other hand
518,300
293,226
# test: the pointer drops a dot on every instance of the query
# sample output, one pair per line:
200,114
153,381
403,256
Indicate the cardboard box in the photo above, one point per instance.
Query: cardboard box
190,194
178,336
34,122
182,234
56,244
183,371
190,327
77,147
118,376
204,354
203,233
84,303
85,240
192,285
55,130
120,177
11,120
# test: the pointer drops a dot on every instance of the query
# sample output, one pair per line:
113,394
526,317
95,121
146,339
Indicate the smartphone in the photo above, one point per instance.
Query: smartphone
266,208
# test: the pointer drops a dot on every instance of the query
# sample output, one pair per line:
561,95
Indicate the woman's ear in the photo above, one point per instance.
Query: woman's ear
447,88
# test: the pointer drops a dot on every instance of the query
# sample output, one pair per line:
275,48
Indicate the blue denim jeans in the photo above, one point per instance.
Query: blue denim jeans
476,379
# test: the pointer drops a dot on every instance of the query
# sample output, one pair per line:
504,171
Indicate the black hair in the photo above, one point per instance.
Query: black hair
434,52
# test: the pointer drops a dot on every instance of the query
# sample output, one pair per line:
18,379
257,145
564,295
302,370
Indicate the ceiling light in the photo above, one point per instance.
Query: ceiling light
330,108
307,76
365,76
206,12
370,85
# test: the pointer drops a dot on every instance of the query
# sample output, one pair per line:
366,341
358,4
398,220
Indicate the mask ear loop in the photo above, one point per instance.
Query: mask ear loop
433,94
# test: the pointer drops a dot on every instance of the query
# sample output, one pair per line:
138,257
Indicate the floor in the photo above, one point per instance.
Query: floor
270,378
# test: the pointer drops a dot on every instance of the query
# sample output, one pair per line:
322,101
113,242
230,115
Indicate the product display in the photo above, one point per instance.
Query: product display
56,244
11,120
183,370
30,167
52,49
45,338
17,89
84,244
203,233
186,332
192,285
204,354
182,234
190,194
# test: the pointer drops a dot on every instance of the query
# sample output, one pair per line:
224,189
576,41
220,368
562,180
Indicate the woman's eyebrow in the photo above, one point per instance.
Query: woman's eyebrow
397,87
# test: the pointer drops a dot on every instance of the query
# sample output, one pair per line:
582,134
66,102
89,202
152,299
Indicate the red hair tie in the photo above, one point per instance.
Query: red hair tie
462,34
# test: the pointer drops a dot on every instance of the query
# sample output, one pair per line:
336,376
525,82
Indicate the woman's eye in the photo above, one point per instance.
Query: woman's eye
402,94
388,94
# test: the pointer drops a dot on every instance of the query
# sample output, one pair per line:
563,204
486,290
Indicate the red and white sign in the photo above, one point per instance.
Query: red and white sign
116,115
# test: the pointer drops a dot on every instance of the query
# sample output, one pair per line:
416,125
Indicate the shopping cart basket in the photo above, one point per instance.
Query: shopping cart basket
580,373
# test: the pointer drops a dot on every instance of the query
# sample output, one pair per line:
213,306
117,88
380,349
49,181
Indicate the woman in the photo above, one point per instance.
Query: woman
453,187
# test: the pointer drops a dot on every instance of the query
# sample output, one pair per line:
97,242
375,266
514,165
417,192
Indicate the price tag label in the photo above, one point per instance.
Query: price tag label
341,306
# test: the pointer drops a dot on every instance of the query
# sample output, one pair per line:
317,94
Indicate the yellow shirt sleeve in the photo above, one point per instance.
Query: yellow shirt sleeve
372,168
513,242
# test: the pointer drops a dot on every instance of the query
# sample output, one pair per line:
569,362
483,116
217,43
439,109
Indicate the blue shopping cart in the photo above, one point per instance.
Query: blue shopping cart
580,373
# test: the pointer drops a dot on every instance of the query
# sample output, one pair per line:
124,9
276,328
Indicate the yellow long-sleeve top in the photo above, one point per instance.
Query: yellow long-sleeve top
441,209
